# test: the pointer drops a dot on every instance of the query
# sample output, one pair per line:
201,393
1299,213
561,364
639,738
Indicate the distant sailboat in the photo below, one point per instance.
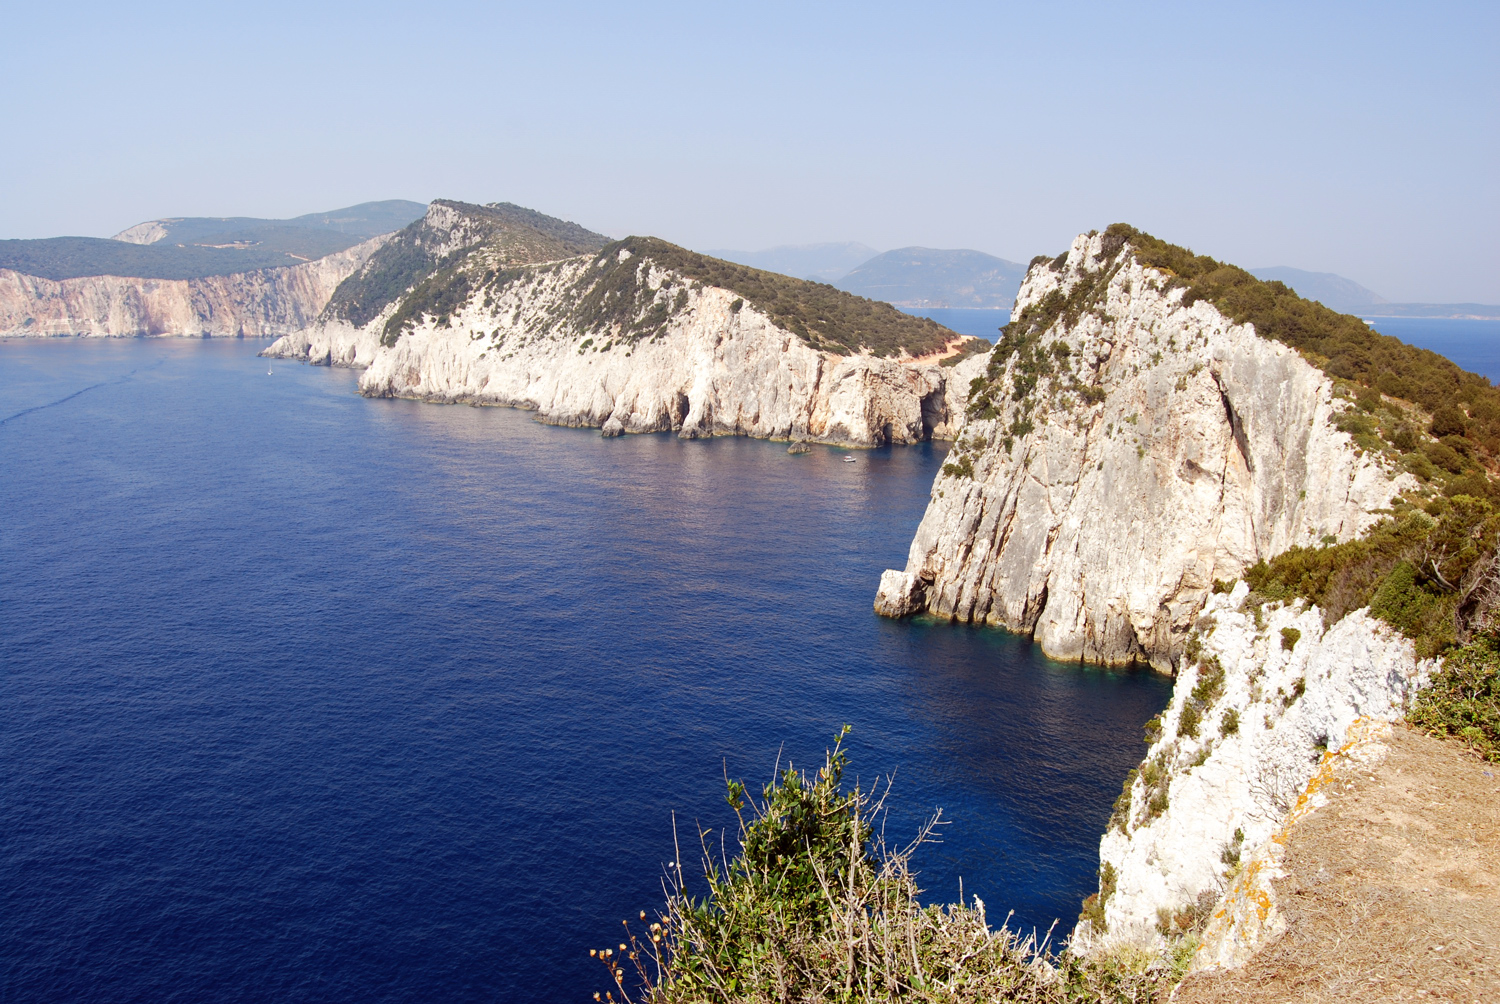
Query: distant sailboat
268,371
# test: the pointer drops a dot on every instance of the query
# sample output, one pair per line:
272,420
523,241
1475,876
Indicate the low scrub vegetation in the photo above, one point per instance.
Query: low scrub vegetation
425,260
1036,359
1462,404
815,907
1463,699
1414,570
826,318
1459,411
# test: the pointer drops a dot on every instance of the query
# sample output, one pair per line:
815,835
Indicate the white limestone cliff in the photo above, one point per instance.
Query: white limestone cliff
331,342
261,303
144,233
1095,505
1266,701
716,366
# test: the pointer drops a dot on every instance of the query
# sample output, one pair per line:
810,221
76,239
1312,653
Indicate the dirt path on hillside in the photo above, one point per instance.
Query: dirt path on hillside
1392,890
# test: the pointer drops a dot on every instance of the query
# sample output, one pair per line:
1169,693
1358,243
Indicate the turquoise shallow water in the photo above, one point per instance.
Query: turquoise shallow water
312,698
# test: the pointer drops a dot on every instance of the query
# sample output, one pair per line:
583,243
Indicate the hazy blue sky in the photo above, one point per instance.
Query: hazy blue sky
1354,138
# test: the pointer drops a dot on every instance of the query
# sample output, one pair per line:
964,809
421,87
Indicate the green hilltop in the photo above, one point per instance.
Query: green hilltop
198,247
502,244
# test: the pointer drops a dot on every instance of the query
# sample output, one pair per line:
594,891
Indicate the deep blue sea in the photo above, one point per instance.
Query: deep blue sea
306,697
974,321
1474,345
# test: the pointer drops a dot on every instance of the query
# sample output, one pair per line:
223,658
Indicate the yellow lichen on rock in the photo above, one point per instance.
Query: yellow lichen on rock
1247,916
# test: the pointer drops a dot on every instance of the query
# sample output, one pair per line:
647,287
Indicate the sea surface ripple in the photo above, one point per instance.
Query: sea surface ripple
305,697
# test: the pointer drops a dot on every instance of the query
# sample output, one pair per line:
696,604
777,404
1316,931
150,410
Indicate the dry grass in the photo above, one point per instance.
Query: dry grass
1392,891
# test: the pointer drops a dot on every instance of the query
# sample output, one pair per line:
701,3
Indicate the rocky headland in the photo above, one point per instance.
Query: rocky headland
498,305
1167,461
1124,450
256,304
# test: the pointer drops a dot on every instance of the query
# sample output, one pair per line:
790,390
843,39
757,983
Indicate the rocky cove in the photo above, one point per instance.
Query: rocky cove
1124,460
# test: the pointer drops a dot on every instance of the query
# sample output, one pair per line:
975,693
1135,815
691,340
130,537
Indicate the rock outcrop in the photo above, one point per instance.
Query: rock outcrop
263,303
1127,450
713,369
639,336
1266,701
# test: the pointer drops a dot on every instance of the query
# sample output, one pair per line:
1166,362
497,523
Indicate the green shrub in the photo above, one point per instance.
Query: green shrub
1444,456
515,235
959,467
1406,568
1153,729
828,319
1409,606
1341,345
1289,638
1119,814
814,907
1210,685
1463,698
1093,906
1448,421
1230,723
1206,691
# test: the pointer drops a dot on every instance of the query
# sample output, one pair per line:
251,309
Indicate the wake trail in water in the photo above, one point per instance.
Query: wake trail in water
64,400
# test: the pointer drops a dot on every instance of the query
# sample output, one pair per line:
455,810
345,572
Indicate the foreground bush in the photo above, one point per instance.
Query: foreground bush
815,907
1463,699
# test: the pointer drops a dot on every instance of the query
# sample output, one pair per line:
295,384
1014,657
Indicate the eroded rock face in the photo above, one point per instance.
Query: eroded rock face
1134,453
262,303
1268,701
718,366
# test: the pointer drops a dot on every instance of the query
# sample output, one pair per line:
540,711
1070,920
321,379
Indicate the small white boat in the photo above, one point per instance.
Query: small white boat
848,460
268,371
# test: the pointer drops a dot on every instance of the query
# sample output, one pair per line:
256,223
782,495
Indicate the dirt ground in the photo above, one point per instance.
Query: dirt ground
1392,891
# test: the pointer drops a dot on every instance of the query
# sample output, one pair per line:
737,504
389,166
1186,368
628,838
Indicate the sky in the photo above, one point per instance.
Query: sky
1361,139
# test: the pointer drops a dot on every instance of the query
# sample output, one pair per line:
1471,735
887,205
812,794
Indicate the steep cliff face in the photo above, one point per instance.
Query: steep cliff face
1124,451
256,304
1267,699
715,367
640,336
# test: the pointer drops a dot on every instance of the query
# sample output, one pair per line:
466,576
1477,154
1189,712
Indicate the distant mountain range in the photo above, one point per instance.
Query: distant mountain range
917,277
906,277
1350,297
198,247
1333,291
911,277
931,277
818,262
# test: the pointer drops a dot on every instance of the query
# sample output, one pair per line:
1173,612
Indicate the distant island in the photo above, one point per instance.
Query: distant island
1346,295
828,262
933,277
197,247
